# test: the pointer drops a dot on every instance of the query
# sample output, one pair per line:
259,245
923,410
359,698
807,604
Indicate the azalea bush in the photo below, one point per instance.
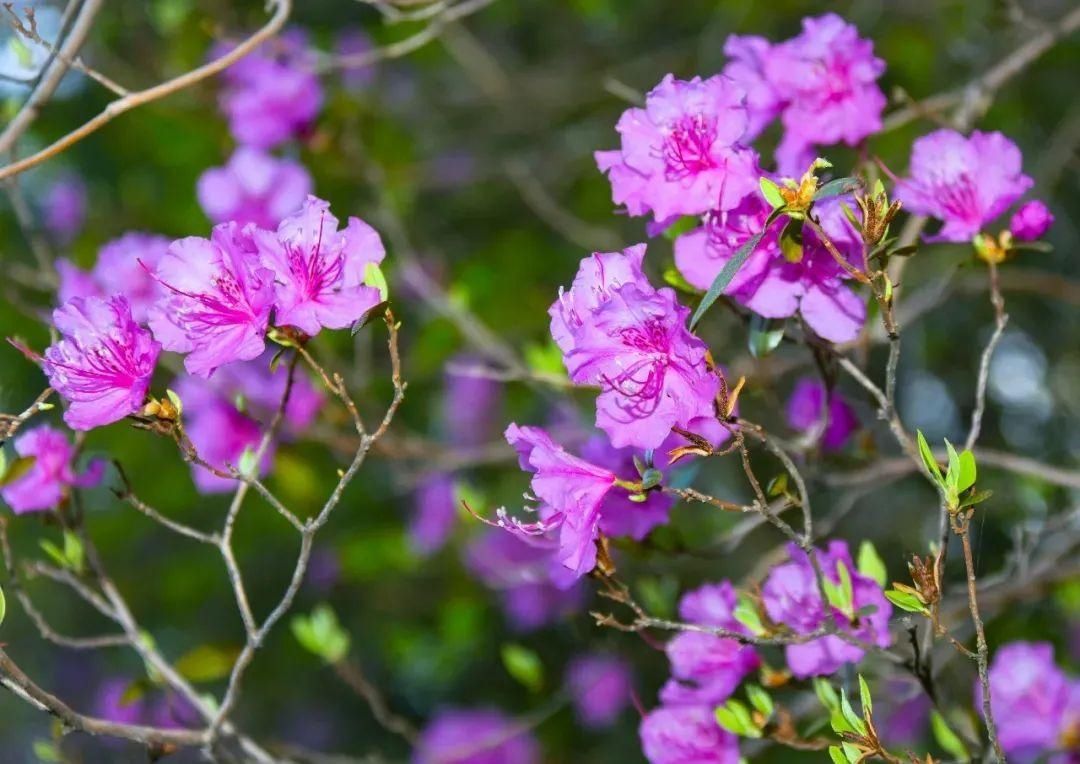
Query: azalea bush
452,382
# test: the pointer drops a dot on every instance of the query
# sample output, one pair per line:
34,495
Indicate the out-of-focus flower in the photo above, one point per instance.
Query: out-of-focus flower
434,513
616,331
686,735
570,491
124,266
471,403
807,406
600,687
770,284
475,736
1031,221
791,597
966,182
111,703
218,300
826,79
682,154
253,187
320,271
355,42
522,574
273,93
103,363
746,68
1036,706
51,474
64,208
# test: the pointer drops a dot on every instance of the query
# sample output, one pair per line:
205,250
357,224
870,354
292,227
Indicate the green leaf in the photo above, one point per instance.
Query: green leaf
54,552
854,756
949,741
174,399
651,478
928,459
735,717
760,700
374,277
746,613
18,468
976,498
952,476
850,716
871,565
771,192
837,755
840,595
247,466
838,187
905,601
778,485
865,700
765,336
791,241
46,751
73,552
206,663
967,471
826,694
524,665
3,606
727,273
672,277
321,634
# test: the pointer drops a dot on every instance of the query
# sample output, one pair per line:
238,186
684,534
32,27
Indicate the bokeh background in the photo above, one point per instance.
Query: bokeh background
473,157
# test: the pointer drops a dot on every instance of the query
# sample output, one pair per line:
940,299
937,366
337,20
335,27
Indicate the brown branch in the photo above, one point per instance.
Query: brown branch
352,675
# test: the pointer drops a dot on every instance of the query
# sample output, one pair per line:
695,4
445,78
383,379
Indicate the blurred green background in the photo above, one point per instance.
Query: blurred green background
481,144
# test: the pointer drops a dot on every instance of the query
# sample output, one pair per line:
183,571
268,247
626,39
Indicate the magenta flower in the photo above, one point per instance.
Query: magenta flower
121,268
64,208
746,68
471,403
570,490
218,300
1036,706
228,413
110,703
475,736
1031,221
272,94
253,187
103,363
524,575
682,154
600,687
319,269
791,597
826,79
768,283
964,182
434,513
807,408
619,516
618,332
706,668
46,483
686,735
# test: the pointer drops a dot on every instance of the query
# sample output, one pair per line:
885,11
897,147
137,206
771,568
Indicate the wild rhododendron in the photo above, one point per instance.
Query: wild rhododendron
253,187
51,473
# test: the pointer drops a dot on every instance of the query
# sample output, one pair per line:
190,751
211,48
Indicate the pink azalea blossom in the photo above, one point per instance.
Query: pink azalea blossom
121,268
683,153
475,736
103,362
618,332
570,490
746,67
600,687
1031,221
64,208
966,182
686,735
768,283
51,474
253,187
218,300
619,516
273,93
807,407
320,270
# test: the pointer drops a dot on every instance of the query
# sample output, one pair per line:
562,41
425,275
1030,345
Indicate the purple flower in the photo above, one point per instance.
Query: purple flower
826,79
320,270
355,42
65,208
616,331
110,703
218,303
471,403
475,736
600,687
706,668
686,735
619,516
522,573
1031,221
570,490
807,407
45,484
253,187
746,68
768,283
121,268
682,153
228,413
103,363
434,513
272,94
791,597
964,182
1036,706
